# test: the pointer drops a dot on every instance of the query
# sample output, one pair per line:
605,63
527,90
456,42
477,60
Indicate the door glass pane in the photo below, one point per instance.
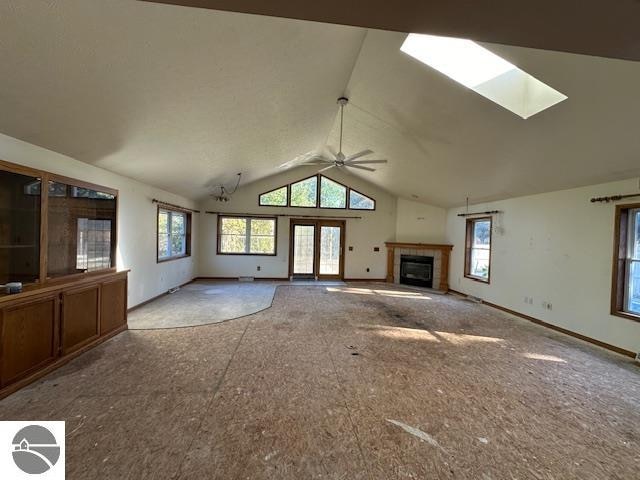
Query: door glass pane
20,228
329,250
303,249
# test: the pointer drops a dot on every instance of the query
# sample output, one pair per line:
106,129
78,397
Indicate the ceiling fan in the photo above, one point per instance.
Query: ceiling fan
339,159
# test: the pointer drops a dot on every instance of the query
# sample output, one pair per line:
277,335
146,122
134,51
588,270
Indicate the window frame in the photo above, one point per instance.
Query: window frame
347,193
319,195
187,246
468,250
621,261
290,192
286,204
360,209
248,217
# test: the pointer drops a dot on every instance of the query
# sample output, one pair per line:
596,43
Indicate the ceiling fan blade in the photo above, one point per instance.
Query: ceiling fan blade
326,168
358,155
300,159
363,162
360,167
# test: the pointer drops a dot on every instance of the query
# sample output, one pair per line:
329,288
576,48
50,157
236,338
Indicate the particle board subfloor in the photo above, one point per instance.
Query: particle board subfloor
345,382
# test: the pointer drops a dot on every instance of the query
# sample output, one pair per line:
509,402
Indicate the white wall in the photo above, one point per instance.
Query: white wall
420,223
372,230
136,218
555,247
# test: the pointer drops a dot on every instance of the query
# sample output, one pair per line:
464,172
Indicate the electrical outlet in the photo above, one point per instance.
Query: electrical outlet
259,267
549,306
368,269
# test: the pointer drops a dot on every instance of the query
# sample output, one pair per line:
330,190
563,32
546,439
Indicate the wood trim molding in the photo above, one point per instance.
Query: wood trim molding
141,304
419,246
579,336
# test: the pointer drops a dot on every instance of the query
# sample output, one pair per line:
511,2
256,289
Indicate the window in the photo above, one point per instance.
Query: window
316,192
332,194
94,244
247,235
358,201
305,193
626,267
274,198
478,249
174,234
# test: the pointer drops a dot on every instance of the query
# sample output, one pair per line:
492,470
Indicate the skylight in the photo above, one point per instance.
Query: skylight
484,72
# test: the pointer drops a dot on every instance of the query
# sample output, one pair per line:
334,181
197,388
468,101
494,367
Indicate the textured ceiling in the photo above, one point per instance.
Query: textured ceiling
179,98
184,98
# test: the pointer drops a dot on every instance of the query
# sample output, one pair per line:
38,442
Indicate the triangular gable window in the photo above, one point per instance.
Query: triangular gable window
317,191
274,198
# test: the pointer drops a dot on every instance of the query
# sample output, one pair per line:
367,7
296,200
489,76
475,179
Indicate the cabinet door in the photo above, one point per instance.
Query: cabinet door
113,305
29,334
80,317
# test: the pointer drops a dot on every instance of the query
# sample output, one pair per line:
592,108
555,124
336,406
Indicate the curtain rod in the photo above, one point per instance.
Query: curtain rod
490,212
320,217
166,204
614,198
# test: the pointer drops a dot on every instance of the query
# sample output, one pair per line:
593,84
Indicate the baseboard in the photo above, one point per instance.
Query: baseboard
373,280
142,304
613,348
263,279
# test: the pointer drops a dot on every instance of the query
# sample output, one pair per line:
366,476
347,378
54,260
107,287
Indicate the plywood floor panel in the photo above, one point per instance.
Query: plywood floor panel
438,388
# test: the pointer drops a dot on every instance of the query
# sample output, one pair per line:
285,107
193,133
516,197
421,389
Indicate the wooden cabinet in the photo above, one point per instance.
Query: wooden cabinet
41,329
80,317
29,333
113,305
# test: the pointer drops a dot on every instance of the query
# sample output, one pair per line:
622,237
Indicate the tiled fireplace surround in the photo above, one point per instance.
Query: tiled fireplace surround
440,254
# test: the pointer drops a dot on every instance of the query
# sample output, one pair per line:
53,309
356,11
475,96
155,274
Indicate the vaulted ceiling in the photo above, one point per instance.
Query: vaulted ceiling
183,98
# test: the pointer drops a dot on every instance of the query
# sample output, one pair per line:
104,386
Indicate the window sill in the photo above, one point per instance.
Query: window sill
627,315
478,279
169,259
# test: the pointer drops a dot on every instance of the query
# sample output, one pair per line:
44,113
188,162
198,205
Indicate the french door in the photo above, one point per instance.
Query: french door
317,249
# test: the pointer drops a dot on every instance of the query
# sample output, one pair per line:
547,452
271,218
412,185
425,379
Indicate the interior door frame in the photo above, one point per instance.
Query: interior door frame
317,224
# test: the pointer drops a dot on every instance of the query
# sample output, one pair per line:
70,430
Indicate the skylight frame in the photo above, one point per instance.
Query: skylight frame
484,72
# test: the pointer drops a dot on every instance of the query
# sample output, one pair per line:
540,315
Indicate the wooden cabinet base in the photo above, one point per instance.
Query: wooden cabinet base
14,387
43,328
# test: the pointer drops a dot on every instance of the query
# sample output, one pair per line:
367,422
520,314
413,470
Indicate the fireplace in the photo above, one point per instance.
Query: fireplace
416,270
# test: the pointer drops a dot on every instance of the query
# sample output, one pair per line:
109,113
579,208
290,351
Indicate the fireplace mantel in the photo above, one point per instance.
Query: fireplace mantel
443,249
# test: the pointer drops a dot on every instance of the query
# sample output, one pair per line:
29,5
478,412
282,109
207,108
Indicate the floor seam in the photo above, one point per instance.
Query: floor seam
213,397
346,406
